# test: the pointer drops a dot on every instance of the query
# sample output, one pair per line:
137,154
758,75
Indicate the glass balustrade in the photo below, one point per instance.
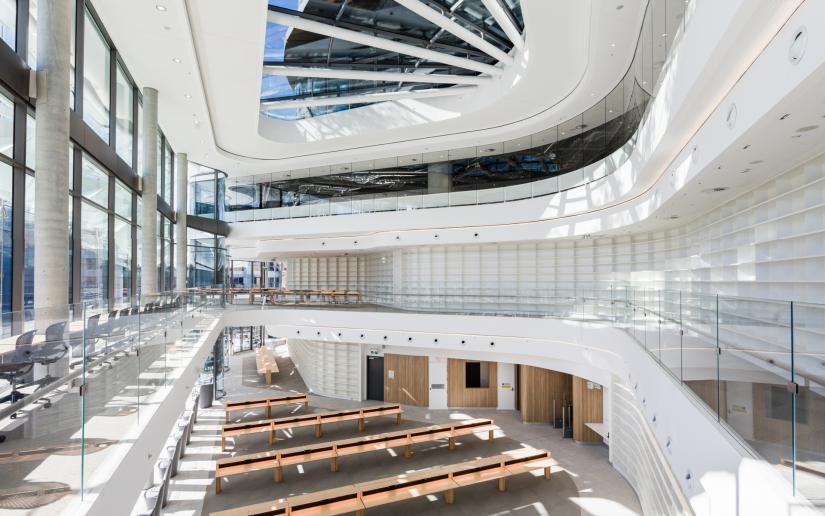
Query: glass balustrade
756,364
77,381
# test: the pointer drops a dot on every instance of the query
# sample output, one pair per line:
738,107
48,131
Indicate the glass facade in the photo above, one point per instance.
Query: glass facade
96,79
104,203
125,113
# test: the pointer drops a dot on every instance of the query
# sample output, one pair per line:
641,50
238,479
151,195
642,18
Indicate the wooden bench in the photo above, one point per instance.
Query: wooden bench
265,403
317,420
446,479
265,361
335,449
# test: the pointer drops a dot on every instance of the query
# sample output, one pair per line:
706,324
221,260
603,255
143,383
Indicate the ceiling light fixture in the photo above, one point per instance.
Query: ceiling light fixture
161,8
176,60
188,96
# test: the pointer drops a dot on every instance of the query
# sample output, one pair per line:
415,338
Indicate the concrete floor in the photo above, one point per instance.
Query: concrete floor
583,483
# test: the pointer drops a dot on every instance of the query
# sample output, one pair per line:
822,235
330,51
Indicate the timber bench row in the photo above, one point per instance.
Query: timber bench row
316,420
359,497
333,450
265,361
266,403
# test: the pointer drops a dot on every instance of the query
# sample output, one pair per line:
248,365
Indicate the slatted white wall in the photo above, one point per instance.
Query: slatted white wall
370,274
327,368
768,243
635,453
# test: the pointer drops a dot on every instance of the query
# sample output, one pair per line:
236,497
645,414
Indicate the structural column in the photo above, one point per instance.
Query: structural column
149,239
51,216
438,178
182,167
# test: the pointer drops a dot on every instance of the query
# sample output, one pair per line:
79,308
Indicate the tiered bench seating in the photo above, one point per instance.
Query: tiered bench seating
446,479
265,361
265,403
317,420
333,450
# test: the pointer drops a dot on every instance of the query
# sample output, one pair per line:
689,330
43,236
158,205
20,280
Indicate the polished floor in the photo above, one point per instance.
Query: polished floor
583,483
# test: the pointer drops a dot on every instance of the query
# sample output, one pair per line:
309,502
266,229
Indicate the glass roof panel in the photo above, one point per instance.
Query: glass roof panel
385,19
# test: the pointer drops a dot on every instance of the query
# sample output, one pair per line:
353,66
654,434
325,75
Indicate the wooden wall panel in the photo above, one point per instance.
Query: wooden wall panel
706,390
411,382
538,388
588,407
460,396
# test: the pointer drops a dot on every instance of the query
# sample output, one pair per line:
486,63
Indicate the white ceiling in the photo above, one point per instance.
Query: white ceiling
575,53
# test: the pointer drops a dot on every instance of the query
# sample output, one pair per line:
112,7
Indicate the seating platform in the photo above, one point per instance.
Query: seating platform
445,479
333,450
265,361
317,420
265,403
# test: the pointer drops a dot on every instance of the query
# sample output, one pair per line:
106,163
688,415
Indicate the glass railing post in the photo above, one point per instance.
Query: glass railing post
681,343
83,404
718,372
794,394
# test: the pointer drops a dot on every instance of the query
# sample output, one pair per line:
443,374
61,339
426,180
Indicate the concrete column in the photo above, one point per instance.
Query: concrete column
51,216
149,252
438,178
182,167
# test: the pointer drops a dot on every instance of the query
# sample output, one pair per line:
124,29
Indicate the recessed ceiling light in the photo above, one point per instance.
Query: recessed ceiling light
807,128
188,96
756,162
783,117
620,7
161,8
176,60
166,27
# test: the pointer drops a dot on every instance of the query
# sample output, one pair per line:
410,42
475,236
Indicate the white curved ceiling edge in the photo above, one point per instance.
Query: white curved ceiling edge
660,179
568,54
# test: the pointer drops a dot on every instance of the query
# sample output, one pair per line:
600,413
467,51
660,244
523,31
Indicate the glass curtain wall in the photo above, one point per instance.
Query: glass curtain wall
104,205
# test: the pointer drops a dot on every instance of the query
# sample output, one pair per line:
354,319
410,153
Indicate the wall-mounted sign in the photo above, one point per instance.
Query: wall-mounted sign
391,374
507,386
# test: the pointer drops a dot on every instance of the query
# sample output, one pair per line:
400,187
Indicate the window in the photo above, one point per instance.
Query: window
124,127
123,200
140,139
476,375
5,236
6,126
95,185
168,174
96,75
31,132
8,22
94,253
32,44
28,248
123,261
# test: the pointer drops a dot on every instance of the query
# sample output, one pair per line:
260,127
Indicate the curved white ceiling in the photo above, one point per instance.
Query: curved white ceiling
575,52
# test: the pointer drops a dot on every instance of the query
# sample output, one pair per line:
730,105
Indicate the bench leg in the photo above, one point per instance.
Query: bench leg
361,425
268,412
306,405
359,512
226,417
318,430
449,496
491,435
268,378
398,418
279,474
217,485
223,443
547,473
333,466
502,484
408,451
452,443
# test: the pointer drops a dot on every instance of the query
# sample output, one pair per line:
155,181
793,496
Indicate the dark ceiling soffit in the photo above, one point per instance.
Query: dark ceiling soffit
487,34
421,43
217,227
389,88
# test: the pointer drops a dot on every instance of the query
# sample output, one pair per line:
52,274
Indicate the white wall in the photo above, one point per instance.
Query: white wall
328,369
767,243
506,386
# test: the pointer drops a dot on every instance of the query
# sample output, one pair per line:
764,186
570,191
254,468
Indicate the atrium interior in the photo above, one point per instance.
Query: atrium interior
490,257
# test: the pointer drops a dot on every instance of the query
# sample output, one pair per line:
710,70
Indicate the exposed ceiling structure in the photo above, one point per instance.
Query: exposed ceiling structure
208,61
327,56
